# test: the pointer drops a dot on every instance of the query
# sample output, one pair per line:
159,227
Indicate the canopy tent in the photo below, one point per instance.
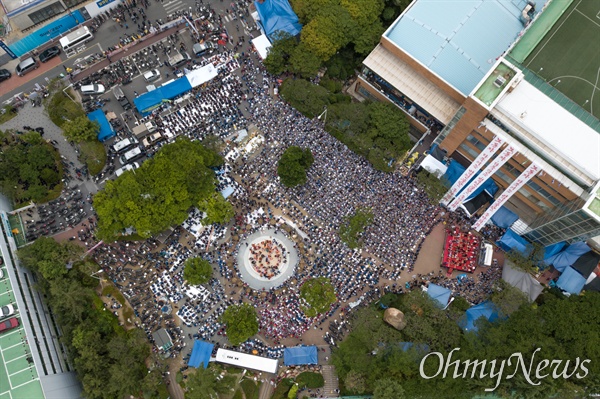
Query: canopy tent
455,170
568,256
277,15
553,249
511,240
571,281
521,280
436,152
504,217
432,165
485,309
202,75
300,355
227,191
106,129
440,294
200,354
262,45
472,205
586,263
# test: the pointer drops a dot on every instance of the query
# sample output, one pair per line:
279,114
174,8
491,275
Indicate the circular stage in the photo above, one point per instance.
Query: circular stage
266,259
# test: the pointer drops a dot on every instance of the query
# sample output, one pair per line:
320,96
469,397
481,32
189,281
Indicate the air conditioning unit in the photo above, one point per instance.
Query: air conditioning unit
499,81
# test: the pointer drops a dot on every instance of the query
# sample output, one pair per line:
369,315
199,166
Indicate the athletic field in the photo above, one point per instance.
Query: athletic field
568,57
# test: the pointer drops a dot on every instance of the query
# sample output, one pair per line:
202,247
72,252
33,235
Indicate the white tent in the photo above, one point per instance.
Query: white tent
202,75
262,45
433,166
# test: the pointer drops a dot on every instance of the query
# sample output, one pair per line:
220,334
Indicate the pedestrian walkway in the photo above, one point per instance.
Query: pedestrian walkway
331,386
266,388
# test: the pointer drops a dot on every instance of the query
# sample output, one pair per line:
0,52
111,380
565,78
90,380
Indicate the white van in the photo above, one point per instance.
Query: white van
131,155
124,145
131,166
26,66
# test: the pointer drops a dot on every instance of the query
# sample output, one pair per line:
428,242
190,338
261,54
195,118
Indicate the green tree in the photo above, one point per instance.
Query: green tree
282,48
241,323
217,208
316,296
197,271
304,62
293,164
207,383
307,98
507,298
353,227
527,261
434,186
355,382
160,193
388,388
81,129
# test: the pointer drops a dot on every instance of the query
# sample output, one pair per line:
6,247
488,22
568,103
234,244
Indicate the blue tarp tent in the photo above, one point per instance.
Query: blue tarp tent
504,217
47,33
277,15
200,354
455,170
571,281
440,294
553,249
568,256
511,240
484,309
148,101
300,355
227,191
106,129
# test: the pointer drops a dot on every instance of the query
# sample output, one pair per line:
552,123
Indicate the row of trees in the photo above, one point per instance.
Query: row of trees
336,33
29,168
110,361
160,193
370,359
374,130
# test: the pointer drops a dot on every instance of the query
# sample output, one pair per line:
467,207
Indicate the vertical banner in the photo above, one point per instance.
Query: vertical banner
476,165
483,176
8,50
516,185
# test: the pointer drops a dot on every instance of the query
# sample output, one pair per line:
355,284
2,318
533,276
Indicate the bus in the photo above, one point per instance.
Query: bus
73,39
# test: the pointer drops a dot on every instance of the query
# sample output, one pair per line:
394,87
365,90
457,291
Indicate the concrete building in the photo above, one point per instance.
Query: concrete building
457,68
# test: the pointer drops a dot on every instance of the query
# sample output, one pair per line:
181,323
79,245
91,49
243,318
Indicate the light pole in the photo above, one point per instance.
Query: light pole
449,302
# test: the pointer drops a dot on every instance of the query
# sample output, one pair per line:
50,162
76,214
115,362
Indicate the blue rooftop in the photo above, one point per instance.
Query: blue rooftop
459,40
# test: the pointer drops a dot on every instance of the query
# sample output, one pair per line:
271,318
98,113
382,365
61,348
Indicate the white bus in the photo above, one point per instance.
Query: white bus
73,39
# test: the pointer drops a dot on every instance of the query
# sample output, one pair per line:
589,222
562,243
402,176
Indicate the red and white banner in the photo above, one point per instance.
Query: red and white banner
516,185
476,165
483,176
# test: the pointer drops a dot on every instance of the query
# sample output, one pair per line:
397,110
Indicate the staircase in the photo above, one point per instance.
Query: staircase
331,381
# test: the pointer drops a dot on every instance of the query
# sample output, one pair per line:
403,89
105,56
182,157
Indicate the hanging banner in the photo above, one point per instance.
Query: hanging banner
483,176
516,185
8,50
476,165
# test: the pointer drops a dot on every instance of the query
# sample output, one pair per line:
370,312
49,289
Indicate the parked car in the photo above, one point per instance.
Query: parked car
152,139
26,66
151,75
131,166
93,89
4,75
7,310
49,53
9,324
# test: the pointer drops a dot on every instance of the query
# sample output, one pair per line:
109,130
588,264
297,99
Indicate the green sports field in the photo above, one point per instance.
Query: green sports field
568,57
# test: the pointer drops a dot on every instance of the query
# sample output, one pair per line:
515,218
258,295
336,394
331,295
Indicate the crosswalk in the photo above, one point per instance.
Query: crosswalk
174,6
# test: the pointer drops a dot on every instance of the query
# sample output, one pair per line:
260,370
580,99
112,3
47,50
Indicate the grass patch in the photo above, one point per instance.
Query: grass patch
93,155
61,108
8,112
250,389
114,292
179,377
311,380
238,395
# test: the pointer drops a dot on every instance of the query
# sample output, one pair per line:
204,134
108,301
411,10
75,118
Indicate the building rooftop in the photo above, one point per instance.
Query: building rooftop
554,126
459,40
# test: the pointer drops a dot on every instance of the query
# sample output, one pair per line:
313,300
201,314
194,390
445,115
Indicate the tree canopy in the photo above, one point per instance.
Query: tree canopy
353,227
316,296
434,187
81,129
109,361
293,164
29,167
197,271
207,383
161,191
241,323
370,360
217,208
